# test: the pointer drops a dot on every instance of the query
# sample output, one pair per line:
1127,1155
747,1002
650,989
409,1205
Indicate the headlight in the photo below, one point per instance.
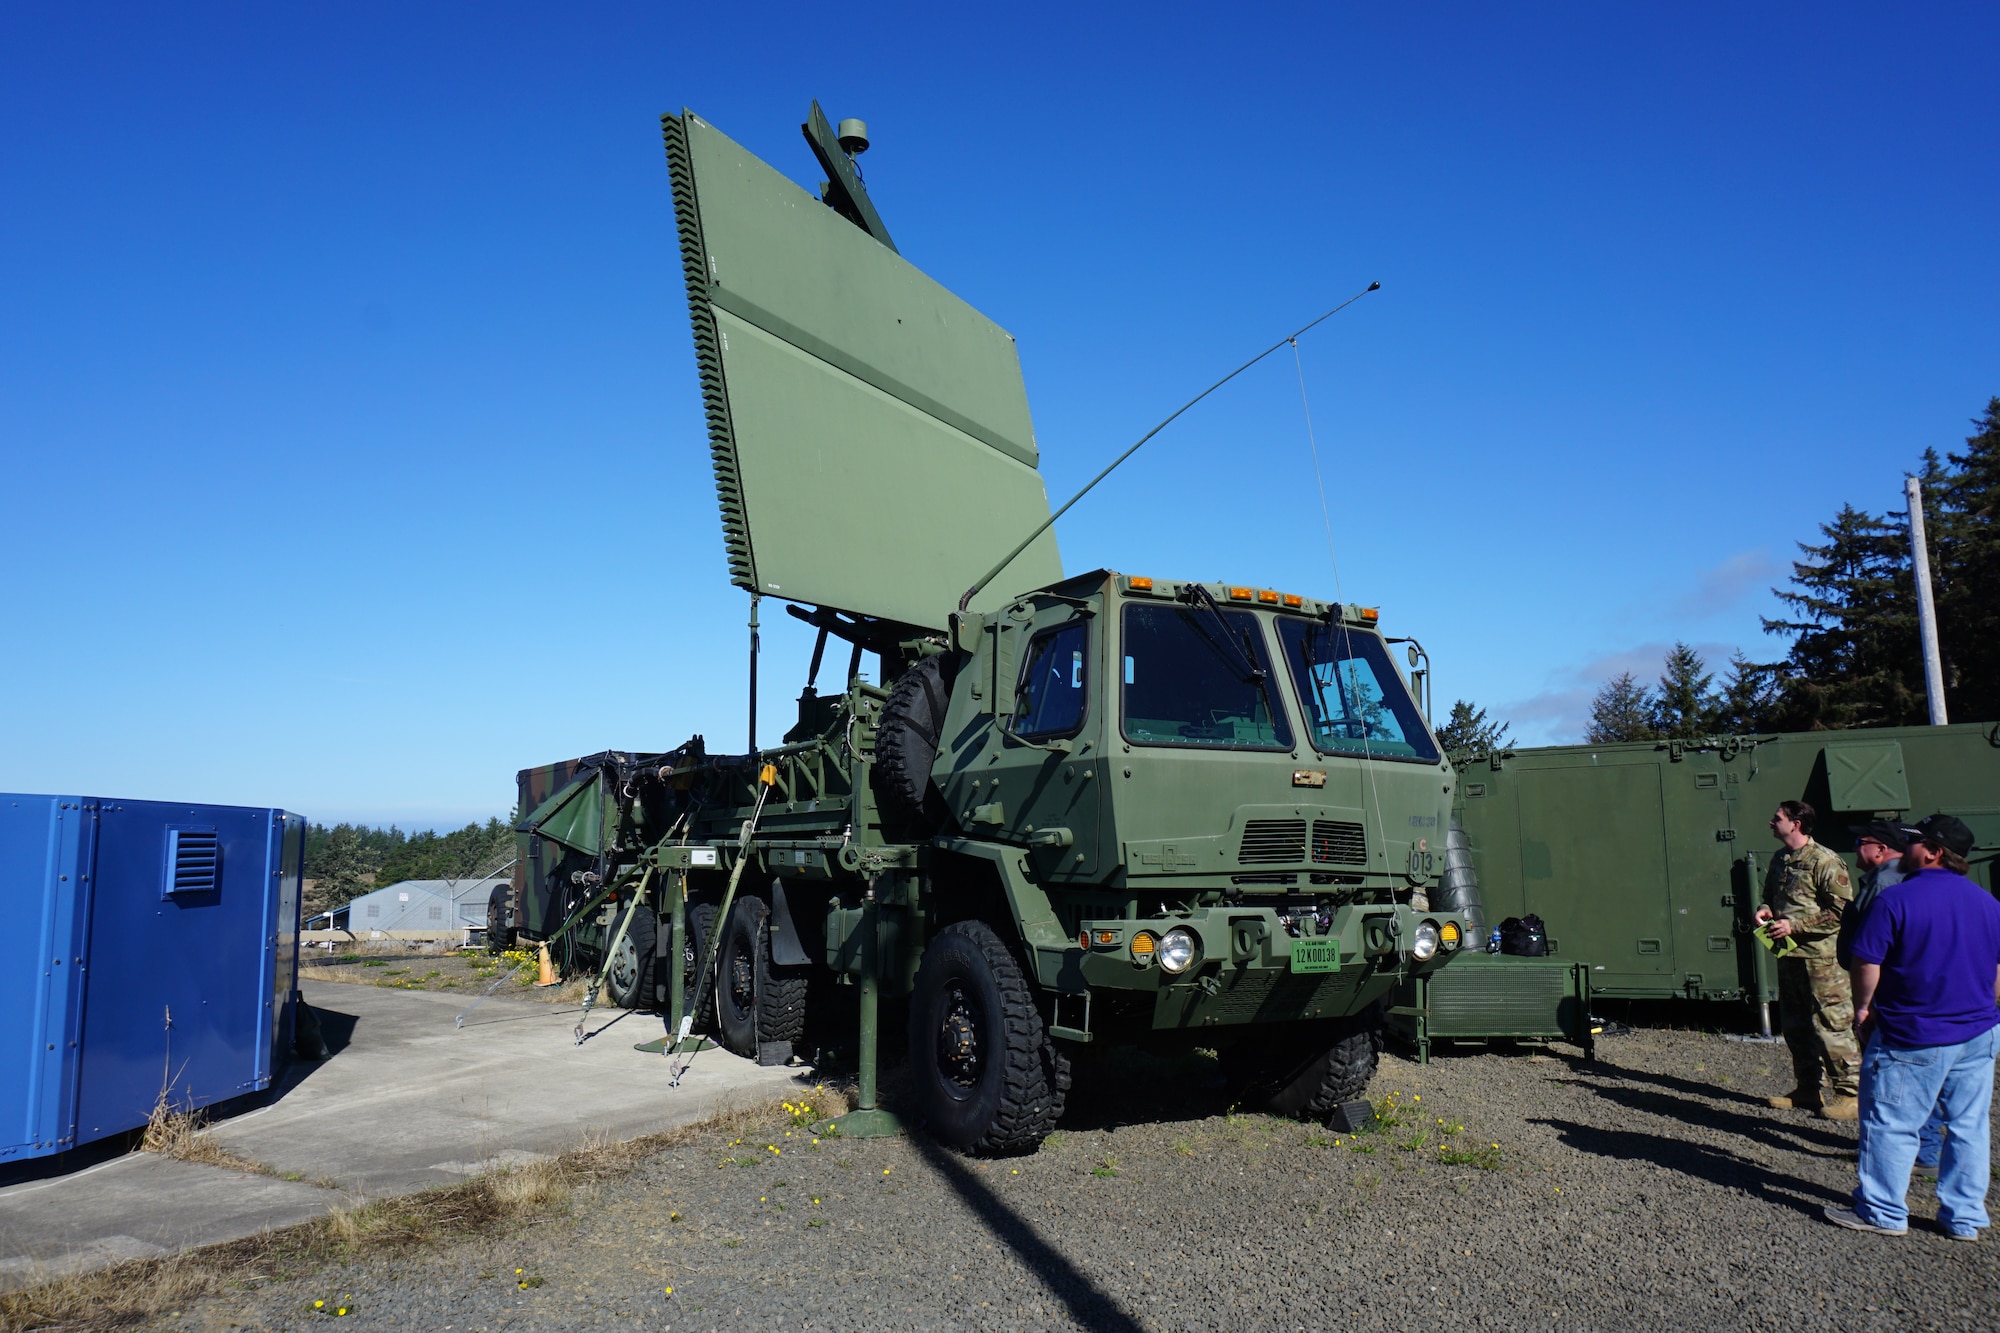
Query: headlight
1448,935
1425,945
1178,950
1144,946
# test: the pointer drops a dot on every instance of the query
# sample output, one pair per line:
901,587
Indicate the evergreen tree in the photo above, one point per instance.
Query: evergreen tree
1748,700
1470,732
347,860
340,868
1684,705
1963,531
1854,659
467,853
1622,711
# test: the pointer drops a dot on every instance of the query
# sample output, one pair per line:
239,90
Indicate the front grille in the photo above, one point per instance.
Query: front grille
1273,842
1339,844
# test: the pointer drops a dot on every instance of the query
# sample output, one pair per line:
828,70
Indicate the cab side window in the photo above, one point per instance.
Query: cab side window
1054,681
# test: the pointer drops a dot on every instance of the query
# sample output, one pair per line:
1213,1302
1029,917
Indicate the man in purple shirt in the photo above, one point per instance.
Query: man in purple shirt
1927,994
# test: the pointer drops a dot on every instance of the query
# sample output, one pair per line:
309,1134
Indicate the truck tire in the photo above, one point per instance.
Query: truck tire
989,1079
628,973
756,1000
1309,1088
700,918
906,743
500,919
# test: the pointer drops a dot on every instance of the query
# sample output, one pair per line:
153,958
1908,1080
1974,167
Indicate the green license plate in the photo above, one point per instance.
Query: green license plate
1316,955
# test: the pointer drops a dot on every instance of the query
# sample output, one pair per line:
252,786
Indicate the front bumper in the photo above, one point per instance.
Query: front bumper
1249,966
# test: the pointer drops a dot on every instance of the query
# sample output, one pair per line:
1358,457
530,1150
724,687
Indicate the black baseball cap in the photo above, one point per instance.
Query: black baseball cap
1887,832
1941,830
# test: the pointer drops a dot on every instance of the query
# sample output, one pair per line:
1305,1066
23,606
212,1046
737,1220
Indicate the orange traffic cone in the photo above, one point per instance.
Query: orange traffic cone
548,974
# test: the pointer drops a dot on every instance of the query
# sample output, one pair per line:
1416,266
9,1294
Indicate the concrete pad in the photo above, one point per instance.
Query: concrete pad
407,1101
413,1099
140,1206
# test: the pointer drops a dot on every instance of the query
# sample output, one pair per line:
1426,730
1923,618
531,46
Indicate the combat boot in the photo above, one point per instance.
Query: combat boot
1840,1106
1805,1099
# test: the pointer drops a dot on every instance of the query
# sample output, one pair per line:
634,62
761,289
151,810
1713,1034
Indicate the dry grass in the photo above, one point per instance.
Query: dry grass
132,1293
181,1135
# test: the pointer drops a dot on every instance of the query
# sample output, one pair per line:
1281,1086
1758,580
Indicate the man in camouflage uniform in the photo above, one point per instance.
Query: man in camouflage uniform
1805,895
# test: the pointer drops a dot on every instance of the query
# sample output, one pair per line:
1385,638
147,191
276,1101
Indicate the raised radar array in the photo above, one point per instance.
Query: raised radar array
869,430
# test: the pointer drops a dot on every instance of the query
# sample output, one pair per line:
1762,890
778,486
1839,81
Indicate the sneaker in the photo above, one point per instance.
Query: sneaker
1802,1098
1967,1236
1853,1221
1840,1107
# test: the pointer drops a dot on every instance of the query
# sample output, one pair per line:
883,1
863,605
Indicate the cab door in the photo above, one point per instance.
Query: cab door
1047,773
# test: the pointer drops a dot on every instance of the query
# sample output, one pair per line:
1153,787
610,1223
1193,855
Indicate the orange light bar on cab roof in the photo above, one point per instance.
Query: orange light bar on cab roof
1292,599
1137,584
1239,594
1268,596
1370,614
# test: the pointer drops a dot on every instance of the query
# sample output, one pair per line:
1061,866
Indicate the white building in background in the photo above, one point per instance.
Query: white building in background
415,909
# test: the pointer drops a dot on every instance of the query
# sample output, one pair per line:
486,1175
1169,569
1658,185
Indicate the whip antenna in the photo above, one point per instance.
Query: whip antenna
994,572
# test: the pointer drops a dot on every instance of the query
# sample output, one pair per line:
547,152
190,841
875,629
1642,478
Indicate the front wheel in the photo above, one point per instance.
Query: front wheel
988,1076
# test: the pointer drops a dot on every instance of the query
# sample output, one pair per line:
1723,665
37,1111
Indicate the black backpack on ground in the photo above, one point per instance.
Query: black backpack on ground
1524,935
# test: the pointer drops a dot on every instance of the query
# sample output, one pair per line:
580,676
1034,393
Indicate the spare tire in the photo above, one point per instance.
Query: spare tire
906,744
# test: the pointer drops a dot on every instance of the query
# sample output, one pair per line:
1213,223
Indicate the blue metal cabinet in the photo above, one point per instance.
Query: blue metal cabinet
153,950
43,890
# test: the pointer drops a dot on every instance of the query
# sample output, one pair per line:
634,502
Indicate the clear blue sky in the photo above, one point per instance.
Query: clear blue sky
352,449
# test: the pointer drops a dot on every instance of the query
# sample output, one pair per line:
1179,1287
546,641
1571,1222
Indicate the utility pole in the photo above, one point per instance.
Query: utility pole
1920,560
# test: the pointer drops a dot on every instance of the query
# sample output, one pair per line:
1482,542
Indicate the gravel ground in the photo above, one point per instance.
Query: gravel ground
1652,1188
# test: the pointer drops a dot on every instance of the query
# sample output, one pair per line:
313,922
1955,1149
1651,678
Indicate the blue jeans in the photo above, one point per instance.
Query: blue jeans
1900,1088
1930,1141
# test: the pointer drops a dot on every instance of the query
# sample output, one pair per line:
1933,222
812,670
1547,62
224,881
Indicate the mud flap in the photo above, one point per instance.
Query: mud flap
786,950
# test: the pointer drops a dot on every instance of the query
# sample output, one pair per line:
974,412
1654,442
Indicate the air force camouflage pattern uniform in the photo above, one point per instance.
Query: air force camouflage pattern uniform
1810,888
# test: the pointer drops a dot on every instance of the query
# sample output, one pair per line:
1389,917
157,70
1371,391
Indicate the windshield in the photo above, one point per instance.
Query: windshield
1191,677
1354,700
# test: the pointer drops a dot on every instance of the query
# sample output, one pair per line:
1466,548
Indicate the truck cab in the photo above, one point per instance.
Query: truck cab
1218,803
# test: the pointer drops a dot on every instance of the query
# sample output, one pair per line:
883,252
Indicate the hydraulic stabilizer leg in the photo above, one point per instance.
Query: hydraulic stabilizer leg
677,987
867,1120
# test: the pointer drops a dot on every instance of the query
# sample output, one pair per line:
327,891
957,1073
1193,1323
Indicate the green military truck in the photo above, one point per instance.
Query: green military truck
1078,810
1646,859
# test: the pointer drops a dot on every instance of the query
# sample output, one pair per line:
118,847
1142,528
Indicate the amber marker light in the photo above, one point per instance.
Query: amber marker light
1370,614
1270,597
1140,585
1239,594
1294,601
1448,935
1083,938
1107,937
1143,947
